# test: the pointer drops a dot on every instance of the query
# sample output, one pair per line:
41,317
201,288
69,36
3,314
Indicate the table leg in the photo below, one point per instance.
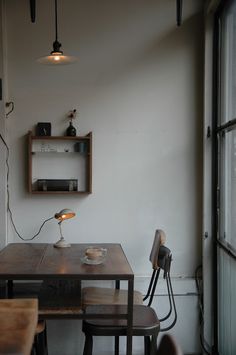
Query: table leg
130,317
10,289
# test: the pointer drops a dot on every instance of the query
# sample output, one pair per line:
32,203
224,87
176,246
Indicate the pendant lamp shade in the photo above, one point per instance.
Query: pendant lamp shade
57,59
56,56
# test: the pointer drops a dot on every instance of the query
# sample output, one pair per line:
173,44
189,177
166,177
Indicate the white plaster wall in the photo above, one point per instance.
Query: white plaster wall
208,242
138,88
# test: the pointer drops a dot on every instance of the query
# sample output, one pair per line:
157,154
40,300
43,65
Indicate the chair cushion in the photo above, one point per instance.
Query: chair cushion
100,296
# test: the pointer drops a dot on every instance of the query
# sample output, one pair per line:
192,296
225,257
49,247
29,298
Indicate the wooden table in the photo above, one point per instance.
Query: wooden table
34,261
17,326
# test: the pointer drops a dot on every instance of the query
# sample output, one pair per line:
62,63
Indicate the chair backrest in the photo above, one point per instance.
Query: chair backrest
159,240
161,258
168,346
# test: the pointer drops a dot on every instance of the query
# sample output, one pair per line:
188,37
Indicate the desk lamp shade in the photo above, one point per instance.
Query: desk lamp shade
62,216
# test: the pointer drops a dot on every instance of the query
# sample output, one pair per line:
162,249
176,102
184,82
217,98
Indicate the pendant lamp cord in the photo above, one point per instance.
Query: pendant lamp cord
179,5
56,20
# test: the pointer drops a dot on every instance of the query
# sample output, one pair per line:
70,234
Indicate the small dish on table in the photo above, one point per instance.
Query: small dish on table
94,256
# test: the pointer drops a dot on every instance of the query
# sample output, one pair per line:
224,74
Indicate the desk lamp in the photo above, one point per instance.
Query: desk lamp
61,216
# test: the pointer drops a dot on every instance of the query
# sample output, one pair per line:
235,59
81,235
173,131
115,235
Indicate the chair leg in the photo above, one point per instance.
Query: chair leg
40,343
46,340
117,345
88,345
153,345
36,347
147,345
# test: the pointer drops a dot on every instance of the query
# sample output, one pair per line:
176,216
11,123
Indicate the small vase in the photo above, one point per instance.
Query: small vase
71,131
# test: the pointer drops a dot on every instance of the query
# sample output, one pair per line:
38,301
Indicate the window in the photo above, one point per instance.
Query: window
224,152
227,187
226,127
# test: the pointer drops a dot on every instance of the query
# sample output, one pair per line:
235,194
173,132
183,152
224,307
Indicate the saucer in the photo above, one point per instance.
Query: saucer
88,261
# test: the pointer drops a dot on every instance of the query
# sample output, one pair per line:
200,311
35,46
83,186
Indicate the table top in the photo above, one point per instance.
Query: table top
17,327
34,261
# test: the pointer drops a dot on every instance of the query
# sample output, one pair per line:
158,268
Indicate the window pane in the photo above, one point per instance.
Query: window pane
226,177
228,64
227,309
228,187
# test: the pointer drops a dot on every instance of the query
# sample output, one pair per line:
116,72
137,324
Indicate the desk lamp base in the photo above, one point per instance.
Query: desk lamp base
62,243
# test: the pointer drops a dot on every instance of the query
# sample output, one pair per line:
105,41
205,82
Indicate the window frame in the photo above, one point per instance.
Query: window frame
217,129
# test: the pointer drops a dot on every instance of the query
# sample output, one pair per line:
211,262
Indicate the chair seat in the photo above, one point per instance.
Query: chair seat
145,320
101,296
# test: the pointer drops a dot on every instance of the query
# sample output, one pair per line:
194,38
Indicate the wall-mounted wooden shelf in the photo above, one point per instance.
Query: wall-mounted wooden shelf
59,158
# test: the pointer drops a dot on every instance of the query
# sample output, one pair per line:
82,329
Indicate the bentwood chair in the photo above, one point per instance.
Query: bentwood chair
168,346
145,320
30,290
57,299
116,296
160,259
105,295
10,289
145,323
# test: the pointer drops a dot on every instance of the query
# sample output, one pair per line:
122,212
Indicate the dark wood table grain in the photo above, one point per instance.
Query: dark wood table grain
39,261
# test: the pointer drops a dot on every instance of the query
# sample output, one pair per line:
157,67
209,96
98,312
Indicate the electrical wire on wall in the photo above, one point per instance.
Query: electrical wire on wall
8,190
11,105
199,285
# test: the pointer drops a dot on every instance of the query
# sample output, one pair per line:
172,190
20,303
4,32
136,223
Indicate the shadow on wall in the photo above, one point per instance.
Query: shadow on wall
160,53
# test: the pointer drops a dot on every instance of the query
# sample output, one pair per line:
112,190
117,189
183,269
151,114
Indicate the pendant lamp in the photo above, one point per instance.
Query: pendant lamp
56,57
